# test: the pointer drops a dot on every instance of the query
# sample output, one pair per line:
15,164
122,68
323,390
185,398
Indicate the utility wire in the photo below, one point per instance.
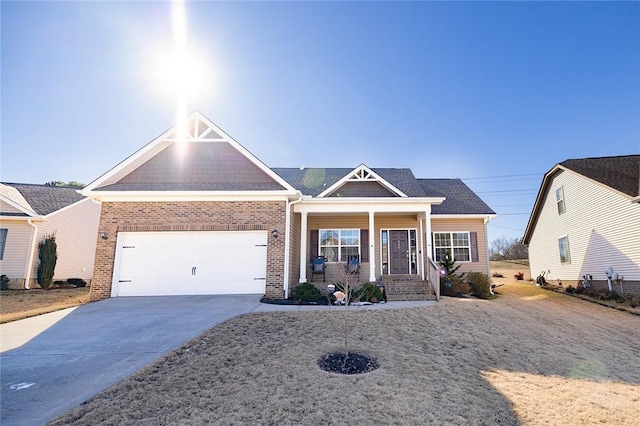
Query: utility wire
503,176
506,190
505,227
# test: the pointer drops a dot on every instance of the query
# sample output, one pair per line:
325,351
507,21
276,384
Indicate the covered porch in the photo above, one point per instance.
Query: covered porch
391,238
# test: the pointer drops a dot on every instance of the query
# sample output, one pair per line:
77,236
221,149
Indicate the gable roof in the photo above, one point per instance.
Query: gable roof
40,199
620,174
315,181
460,199
194,156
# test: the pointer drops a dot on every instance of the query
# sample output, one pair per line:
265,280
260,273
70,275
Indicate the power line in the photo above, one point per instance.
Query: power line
515,205
505,227
506,190
513,214
503,176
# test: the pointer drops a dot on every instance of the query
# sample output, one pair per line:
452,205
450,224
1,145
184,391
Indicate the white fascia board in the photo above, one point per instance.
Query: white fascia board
20,207
21,218
129,164
185,196
365,205
346,178
486,217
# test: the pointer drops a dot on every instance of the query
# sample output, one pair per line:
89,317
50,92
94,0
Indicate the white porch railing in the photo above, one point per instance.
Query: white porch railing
433,275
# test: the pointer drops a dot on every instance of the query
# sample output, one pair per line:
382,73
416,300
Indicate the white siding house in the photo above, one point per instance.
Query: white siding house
586,219
28,213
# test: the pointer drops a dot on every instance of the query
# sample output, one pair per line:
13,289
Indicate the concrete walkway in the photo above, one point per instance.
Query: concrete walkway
51,363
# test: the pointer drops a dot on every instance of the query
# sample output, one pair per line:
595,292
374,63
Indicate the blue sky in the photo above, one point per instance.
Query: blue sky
472,90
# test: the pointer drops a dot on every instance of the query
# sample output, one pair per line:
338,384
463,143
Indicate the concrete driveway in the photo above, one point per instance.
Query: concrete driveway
60,360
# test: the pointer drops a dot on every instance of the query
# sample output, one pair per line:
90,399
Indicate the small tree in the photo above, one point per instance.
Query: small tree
48,255
449,265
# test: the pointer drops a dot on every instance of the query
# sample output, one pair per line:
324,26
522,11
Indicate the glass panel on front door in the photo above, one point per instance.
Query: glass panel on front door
399,251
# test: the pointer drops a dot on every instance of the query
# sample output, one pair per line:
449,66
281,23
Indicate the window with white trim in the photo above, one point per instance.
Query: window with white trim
560,200
456,243
563,246
337,244
3,241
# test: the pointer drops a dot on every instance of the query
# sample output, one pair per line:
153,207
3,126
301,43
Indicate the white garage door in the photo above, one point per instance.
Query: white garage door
177,263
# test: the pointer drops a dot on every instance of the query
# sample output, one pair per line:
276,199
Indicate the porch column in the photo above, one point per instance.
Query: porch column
427,220
422,250
303,248
372,251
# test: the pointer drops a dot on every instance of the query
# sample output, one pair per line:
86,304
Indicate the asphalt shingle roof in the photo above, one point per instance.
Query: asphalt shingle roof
45,199
459,198
620,173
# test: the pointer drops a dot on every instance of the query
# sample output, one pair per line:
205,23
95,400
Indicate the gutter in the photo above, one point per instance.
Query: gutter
287,243
32,250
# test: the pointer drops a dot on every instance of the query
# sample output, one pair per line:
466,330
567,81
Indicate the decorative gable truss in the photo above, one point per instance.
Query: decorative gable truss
365,180
193,156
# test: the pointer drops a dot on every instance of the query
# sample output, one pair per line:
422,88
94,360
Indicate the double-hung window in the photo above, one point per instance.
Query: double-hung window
563,246
560,200
456,243
3,241
337,244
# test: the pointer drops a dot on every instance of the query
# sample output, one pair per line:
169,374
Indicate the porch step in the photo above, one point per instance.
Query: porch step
407,287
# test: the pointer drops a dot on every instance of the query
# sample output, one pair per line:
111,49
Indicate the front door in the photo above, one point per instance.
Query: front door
399,252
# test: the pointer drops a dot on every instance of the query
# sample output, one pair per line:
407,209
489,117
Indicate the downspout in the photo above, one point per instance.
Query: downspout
287,244
32,249
486,245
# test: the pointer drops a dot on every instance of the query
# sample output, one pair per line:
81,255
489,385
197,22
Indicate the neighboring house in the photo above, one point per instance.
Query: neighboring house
199,214
585,220
28,213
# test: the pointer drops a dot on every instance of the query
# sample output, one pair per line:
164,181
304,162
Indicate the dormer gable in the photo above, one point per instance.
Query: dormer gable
362,182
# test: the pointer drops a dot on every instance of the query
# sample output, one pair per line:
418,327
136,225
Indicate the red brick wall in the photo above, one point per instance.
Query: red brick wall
190,216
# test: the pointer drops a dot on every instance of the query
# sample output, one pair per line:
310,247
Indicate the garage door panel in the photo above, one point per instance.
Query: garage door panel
177,263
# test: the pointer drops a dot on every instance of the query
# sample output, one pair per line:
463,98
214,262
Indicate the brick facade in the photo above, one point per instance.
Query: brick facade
190,216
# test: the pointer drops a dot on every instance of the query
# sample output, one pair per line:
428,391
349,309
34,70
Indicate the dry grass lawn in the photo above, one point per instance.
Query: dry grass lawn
529,357
20,304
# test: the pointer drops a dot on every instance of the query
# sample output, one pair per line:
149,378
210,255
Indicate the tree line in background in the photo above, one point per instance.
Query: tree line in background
72,183
505,248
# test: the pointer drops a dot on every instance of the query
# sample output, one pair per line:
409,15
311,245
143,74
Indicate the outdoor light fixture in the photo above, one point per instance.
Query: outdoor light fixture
104,235
331,288
274,233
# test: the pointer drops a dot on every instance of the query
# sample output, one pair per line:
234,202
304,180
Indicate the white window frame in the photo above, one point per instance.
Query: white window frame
3,241
561,205
452,246
568,257
339,246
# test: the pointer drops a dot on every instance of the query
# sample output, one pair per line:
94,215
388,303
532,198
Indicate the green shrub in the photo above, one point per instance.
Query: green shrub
453,285
48,255
570,289
368,293
4,282
78,282
519,276
307,292
60,283
479,283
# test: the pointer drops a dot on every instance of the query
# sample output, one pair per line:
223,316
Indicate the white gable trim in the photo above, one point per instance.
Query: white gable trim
203,131
362,173
17,206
